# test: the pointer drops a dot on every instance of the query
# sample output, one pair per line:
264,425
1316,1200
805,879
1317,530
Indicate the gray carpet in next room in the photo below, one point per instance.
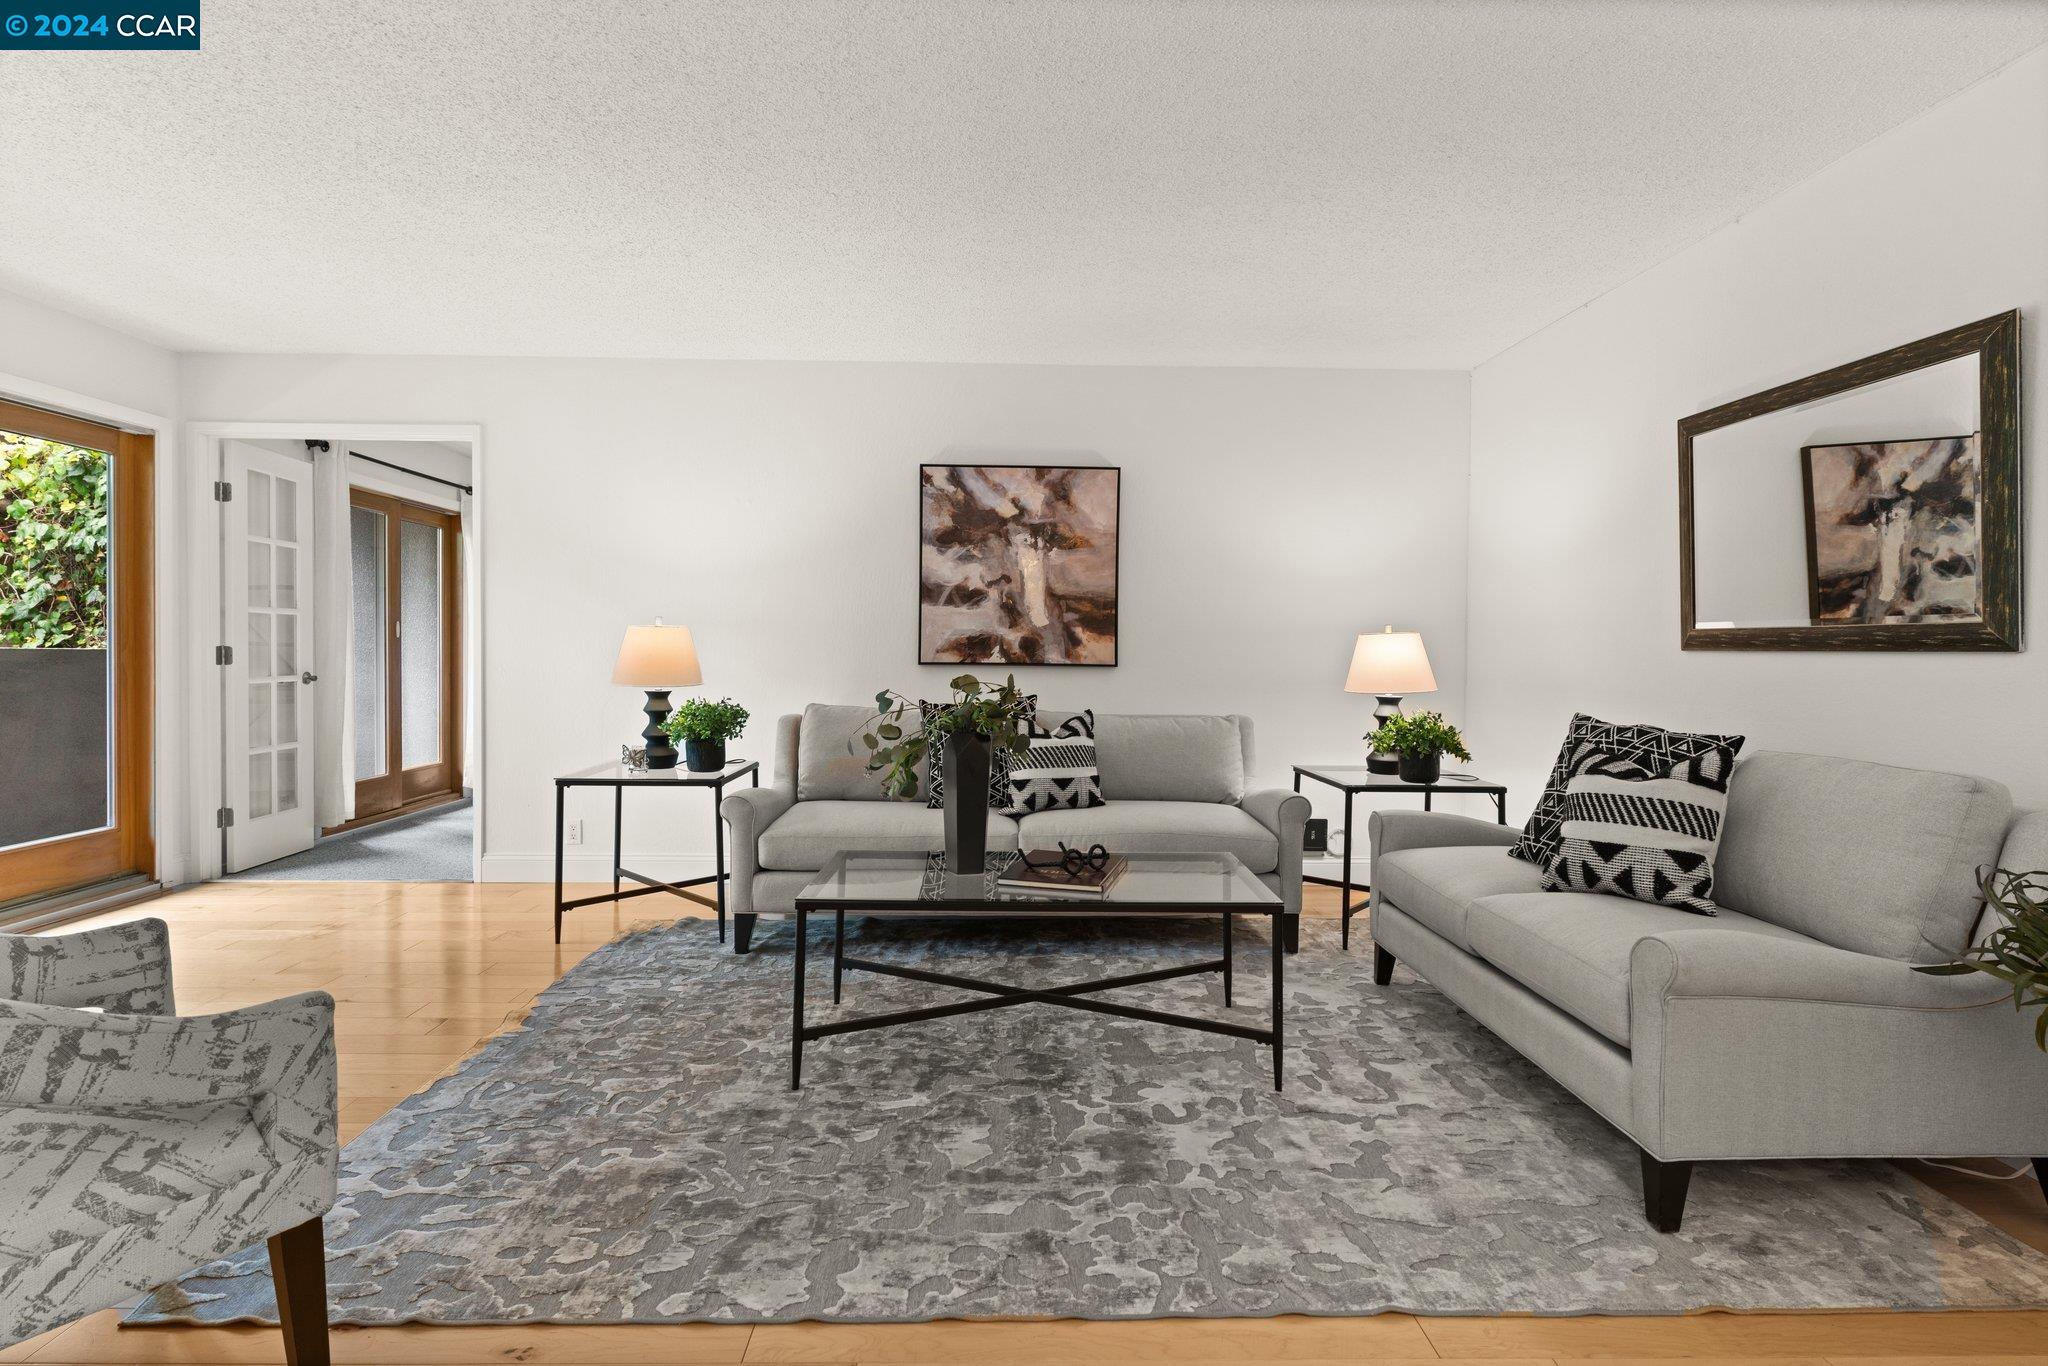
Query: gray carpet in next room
433,846
634,1154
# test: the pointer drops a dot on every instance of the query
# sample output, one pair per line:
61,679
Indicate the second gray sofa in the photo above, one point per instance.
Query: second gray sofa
1171,784
1791,1024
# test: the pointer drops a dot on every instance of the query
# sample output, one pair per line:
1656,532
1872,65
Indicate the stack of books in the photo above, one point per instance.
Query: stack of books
1052,876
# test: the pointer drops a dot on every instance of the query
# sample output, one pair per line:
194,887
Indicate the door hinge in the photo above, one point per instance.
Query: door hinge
223,654
224,818
223,492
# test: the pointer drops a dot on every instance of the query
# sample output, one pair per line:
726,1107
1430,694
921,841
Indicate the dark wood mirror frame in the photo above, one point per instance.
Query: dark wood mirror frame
1995,341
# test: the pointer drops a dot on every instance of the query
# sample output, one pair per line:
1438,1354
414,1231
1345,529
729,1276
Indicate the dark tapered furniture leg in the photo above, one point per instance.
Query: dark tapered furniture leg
2041,1175
560,794
1382,966
1290,932
1344,893
1664,1185
298,1266
742,932
1279,1028
796,1016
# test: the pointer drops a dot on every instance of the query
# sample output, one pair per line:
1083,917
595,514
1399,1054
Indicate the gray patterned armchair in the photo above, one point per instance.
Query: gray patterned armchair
136,1144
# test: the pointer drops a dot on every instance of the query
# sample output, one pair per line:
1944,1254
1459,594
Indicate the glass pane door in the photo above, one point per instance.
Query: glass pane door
367,530
273,548
55,666
420,628
405,654
76,655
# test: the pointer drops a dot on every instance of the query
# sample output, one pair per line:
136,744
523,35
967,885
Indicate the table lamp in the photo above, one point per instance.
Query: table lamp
1389,664
657,658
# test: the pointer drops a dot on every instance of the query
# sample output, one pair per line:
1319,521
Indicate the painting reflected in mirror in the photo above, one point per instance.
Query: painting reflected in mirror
1892,531
1874,506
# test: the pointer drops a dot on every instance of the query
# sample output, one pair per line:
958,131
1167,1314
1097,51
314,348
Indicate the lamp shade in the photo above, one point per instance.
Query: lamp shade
1392,663
657,656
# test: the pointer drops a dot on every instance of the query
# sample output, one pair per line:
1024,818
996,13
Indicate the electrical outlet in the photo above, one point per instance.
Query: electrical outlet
572,833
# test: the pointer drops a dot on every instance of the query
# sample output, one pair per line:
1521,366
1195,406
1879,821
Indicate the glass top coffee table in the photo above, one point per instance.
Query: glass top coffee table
916,884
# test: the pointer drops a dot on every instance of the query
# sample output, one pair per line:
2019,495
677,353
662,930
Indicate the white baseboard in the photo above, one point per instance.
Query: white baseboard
587,865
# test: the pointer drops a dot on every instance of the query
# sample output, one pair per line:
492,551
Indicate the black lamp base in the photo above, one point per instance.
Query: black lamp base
1387,764
661,751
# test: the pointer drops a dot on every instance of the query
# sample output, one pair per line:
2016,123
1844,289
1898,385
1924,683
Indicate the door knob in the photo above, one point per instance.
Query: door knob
309,678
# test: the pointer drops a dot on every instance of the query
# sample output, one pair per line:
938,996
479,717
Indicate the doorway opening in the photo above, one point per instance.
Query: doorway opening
349,591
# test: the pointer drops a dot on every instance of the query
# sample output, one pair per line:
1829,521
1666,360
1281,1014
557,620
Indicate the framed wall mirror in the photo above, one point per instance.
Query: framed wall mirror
1874,506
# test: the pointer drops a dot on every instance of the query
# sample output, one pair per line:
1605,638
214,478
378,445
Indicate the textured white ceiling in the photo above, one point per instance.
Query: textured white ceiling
1097,181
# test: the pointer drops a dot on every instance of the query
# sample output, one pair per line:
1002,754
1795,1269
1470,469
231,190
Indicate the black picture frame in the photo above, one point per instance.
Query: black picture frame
1995,342
923,532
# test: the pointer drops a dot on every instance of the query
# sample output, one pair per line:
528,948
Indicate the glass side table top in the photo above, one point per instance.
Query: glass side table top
914,883
616,772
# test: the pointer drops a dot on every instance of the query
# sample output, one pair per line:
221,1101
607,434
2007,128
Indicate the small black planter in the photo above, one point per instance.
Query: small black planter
704,756
965,762
1421,768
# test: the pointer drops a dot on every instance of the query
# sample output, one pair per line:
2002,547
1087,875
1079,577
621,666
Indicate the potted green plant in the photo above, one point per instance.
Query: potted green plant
1420,743
980,718
704,727
2016,953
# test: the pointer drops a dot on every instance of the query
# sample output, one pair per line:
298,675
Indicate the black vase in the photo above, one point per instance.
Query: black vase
1421,768
704,756
965,761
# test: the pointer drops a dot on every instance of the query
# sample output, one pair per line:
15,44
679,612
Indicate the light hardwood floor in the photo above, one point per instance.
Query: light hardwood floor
423,973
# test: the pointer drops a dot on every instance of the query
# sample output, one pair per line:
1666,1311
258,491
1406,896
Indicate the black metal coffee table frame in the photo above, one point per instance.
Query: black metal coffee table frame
1001,995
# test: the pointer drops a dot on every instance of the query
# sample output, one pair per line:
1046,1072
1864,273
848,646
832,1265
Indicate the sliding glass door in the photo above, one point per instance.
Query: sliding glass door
76,673
405,652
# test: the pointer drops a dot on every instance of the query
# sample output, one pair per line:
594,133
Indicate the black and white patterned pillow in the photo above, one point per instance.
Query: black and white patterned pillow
1059,772
999,761
1643,832
1590,738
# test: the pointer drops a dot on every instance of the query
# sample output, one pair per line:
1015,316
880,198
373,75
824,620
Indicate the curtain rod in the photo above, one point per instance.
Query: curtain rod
417,474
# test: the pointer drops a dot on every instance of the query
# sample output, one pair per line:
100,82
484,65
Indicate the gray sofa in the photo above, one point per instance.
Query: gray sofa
1172,784
1791,1025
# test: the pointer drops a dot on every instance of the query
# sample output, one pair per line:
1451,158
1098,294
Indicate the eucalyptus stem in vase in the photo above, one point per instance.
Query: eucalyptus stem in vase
979,718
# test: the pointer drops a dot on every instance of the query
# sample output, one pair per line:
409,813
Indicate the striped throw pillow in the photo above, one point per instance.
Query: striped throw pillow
1644,831
1058,773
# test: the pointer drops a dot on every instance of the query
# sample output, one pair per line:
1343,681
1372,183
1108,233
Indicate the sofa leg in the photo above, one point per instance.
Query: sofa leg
1290,932
742,933
1382,966
1664,1185
298,1266
2041,1175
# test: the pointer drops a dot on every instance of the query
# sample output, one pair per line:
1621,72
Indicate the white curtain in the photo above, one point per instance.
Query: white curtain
333,614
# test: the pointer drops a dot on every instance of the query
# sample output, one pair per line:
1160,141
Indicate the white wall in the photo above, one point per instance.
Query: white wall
1574,567
1268,515
55,360
62,351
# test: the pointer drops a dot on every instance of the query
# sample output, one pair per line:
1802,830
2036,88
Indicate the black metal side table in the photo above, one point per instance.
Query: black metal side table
1351,780
618,777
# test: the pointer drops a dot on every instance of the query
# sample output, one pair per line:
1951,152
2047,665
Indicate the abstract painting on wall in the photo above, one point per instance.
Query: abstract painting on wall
1017,564
1893,531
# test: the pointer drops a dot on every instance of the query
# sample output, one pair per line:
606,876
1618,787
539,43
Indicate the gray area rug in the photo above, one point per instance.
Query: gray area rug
634,1155
433,846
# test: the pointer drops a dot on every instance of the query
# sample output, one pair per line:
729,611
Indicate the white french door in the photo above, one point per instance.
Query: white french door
269,716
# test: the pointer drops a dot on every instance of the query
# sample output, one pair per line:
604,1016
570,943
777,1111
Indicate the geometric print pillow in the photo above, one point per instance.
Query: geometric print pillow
1644,833
1059,772
999,761
1652,748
